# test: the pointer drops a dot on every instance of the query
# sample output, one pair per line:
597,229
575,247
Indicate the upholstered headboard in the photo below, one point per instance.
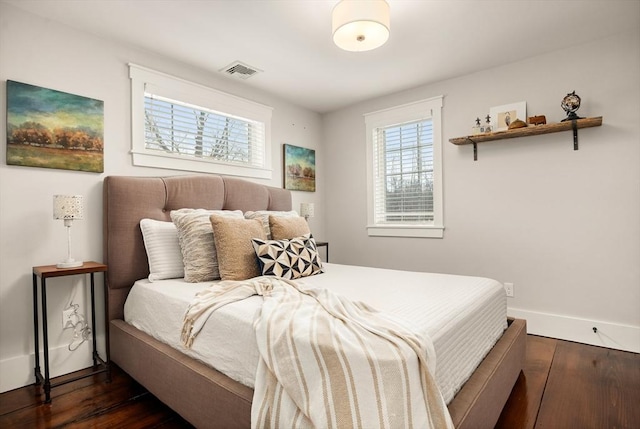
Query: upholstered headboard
127,200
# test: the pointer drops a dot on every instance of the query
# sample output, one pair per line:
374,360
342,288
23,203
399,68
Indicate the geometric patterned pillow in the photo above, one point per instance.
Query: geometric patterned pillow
288,259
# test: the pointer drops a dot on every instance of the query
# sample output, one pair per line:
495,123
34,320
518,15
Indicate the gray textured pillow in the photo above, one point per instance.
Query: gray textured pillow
263,215
286,228
236,257
196,242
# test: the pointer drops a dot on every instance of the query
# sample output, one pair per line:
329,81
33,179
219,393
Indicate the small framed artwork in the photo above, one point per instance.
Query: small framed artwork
53,129
502,116
299,169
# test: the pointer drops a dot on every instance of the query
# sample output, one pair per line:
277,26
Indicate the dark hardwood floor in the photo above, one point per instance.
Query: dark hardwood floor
563,385
571,385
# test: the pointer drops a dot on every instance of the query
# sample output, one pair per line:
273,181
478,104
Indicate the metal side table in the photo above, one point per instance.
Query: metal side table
45,272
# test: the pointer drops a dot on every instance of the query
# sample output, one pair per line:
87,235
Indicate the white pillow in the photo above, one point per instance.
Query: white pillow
263,215
163,249
195,236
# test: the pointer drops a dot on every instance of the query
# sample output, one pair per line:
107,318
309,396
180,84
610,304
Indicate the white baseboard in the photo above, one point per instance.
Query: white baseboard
19,371
610,335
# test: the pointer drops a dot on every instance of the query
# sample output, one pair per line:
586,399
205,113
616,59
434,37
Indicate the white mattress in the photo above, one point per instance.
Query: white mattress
464,316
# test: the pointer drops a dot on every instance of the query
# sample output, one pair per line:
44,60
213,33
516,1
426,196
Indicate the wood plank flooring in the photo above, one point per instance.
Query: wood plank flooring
90,402
522,407
563,385
571,385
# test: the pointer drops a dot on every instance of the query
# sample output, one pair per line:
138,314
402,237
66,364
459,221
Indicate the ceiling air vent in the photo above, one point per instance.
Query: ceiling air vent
240,70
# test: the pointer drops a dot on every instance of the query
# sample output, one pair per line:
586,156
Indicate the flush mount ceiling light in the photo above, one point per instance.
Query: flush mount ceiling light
360,25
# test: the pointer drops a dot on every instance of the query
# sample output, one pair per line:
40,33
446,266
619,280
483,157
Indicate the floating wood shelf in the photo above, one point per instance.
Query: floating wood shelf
529,131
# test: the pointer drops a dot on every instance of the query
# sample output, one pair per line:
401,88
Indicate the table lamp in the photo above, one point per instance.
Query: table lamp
68,208
306,210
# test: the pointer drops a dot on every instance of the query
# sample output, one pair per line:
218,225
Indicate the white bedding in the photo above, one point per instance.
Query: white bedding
464,316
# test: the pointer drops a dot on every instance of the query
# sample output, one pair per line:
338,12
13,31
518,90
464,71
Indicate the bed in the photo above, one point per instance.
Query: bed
199,393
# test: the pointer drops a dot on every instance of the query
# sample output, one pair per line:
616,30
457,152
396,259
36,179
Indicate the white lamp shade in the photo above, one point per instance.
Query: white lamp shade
306,210
360,25
68,207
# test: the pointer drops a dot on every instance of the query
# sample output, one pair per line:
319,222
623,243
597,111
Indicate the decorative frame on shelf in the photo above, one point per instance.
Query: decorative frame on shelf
299,168
502,116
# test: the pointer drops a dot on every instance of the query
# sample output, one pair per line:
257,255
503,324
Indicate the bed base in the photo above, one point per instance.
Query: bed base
207,398
203,396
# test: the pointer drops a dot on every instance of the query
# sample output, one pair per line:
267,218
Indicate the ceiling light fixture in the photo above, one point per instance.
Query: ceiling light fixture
360,25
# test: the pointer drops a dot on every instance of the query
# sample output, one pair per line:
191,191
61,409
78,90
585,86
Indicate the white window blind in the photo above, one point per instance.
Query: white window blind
185,126
405,175
184,129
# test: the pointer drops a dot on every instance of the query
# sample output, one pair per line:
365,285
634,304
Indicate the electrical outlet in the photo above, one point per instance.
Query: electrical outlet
508,287
68,317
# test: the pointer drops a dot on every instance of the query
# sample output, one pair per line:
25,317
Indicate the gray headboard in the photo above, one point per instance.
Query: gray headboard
128,199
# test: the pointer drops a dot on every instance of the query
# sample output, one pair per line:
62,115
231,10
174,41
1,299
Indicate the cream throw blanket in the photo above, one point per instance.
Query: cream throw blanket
328,362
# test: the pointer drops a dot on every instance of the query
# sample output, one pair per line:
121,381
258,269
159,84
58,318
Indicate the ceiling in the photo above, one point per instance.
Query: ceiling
290,40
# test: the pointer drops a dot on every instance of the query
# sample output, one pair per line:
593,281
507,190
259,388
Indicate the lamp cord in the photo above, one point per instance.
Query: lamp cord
81,329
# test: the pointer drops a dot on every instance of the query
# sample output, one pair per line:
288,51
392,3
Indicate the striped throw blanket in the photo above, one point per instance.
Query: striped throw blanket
328,362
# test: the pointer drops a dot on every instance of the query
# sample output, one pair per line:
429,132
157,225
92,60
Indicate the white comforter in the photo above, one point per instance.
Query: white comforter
464,317
326,361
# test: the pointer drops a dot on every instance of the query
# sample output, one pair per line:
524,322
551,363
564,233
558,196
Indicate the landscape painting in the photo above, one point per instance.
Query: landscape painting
53,129
299,168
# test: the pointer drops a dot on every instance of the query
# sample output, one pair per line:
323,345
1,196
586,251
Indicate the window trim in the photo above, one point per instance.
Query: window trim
419,110
197,94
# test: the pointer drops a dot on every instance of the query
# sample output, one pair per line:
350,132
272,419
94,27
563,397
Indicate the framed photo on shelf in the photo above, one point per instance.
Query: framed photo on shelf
502,116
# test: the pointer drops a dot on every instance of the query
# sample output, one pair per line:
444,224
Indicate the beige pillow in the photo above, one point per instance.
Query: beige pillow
263,215
286,228
236,258
196,242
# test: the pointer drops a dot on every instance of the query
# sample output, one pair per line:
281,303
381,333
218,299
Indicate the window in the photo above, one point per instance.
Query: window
404,152
185,126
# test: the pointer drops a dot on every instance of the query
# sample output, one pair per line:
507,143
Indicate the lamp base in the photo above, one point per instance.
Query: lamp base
70,264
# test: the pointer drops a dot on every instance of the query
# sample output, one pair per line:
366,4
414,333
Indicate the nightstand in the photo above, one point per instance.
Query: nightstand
49,271
326,247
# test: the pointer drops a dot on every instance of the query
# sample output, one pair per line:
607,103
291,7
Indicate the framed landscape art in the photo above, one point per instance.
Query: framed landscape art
53,129
299,168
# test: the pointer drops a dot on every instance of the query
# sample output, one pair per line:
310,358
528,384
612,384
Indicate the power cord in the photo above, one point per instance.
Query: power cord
81,330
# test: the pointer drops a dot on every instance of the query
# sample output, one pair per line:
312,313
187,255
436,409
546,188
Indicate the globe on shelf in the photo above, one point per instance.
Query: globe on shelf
570,104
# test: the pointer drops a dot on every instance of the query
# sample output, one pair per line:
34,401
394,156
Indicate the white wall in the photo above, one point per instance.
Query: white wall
562,225
41,52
